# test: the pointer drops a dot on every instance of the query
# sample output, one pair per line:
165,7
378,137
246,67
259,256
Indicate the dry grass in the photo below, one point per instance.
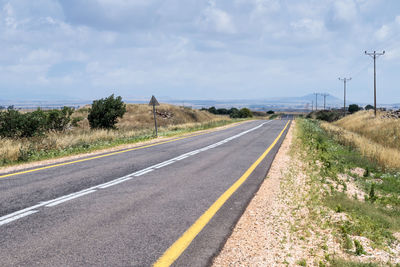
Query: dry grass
140,116
383,155
383,131
137,123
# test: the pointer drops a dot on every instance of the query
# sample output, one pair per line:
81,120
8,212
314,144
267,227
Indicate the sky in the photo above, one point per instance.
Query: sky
193,49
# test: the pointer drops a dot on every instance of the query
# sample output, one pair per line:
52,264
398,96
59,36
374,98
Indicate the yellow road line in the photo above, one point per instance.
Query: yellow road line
174,251
102,156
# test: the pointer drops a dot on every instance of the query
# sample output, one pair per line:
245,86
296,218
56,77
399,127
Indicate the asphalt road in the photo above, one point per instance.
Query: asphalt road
128,208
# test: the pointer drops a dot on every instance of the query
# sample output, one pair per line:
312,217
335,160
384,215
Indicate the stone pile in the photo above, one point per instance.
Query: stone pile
391,115
164,114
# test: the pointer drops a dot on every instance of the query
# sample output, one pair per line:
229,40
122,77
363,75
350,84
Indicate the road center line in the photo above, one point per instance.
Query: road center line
54,202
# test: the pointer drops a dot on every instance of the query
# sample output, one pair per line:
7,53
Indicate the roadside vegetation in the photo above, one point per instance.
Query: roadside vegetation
377,138
108,122
232,112
353,199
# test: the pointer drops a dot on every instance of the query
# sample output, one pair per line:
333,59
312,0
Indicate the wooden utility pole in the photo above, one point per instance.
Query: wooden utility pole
324,95
345,80
374,55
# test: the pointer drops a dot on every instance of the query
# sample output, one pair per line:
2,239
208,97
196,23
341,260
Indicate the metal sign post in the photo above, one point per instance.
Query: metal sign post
153,102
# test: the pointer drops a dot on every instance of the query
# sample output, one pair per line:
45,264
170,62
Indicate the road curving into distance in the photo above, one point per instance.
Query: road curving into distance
173,203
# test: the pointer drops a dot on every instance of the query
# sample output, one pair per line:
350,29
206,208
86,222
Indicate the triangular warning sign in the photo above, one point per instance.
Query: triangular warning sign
153,101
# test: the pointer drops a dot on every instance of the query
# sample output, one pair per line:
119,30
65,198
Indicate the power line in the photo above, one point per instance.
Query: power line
345,80
374,55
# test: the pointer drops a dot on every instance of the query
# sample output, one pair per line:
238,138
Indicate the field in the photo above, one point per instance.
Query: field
136,125
376,138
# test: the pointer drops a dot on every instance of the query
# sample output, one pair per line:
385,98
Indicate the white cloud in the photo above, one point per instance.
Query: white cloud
217,19
382,33
308,28
191,48
345,10
9,18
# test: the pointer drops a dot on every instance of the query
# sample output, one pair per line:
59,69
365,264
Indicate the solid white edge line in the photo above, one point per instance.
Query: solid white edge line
18,217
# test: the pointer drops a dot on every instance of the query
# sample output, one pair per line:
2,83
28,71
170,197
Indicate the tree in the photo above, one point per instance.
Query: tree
245,113
212,110
234,113
368,107
105,112
353,108
270,112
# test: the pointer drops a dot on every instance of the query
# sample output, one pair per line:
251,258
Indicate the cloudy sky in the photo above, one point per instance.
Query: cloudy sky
194,49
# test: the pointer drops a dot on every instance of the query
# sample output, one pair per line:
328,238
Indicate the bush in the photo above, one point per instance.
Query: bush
368,107
34,123
105,112
353,108
58,120
359,248
15,124
270,112
75,121
325,115
11,123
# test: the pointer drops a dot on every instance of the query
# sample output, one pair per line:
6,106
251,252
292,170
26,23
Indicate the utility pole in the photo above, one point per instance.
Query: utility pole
345,80
316,101
312,105
374,55
324,95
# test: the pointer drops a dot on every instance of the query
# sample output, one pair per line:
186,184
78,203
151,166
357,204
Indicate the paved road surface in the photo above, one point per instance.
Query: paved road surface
128,208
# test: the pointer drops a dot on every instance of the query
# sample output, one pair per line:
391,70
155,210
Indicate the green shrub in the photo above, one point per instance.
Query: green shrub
75,121
14,124
359,248
325,115
302,262
372,196
105,112
245,113
34,123
11,123
353,108
58,120
242,113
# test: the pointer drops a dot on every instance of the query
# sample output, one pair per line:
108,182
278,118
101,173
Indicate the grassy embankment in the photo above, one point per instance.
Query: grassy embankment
137,125
376,138
356,197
